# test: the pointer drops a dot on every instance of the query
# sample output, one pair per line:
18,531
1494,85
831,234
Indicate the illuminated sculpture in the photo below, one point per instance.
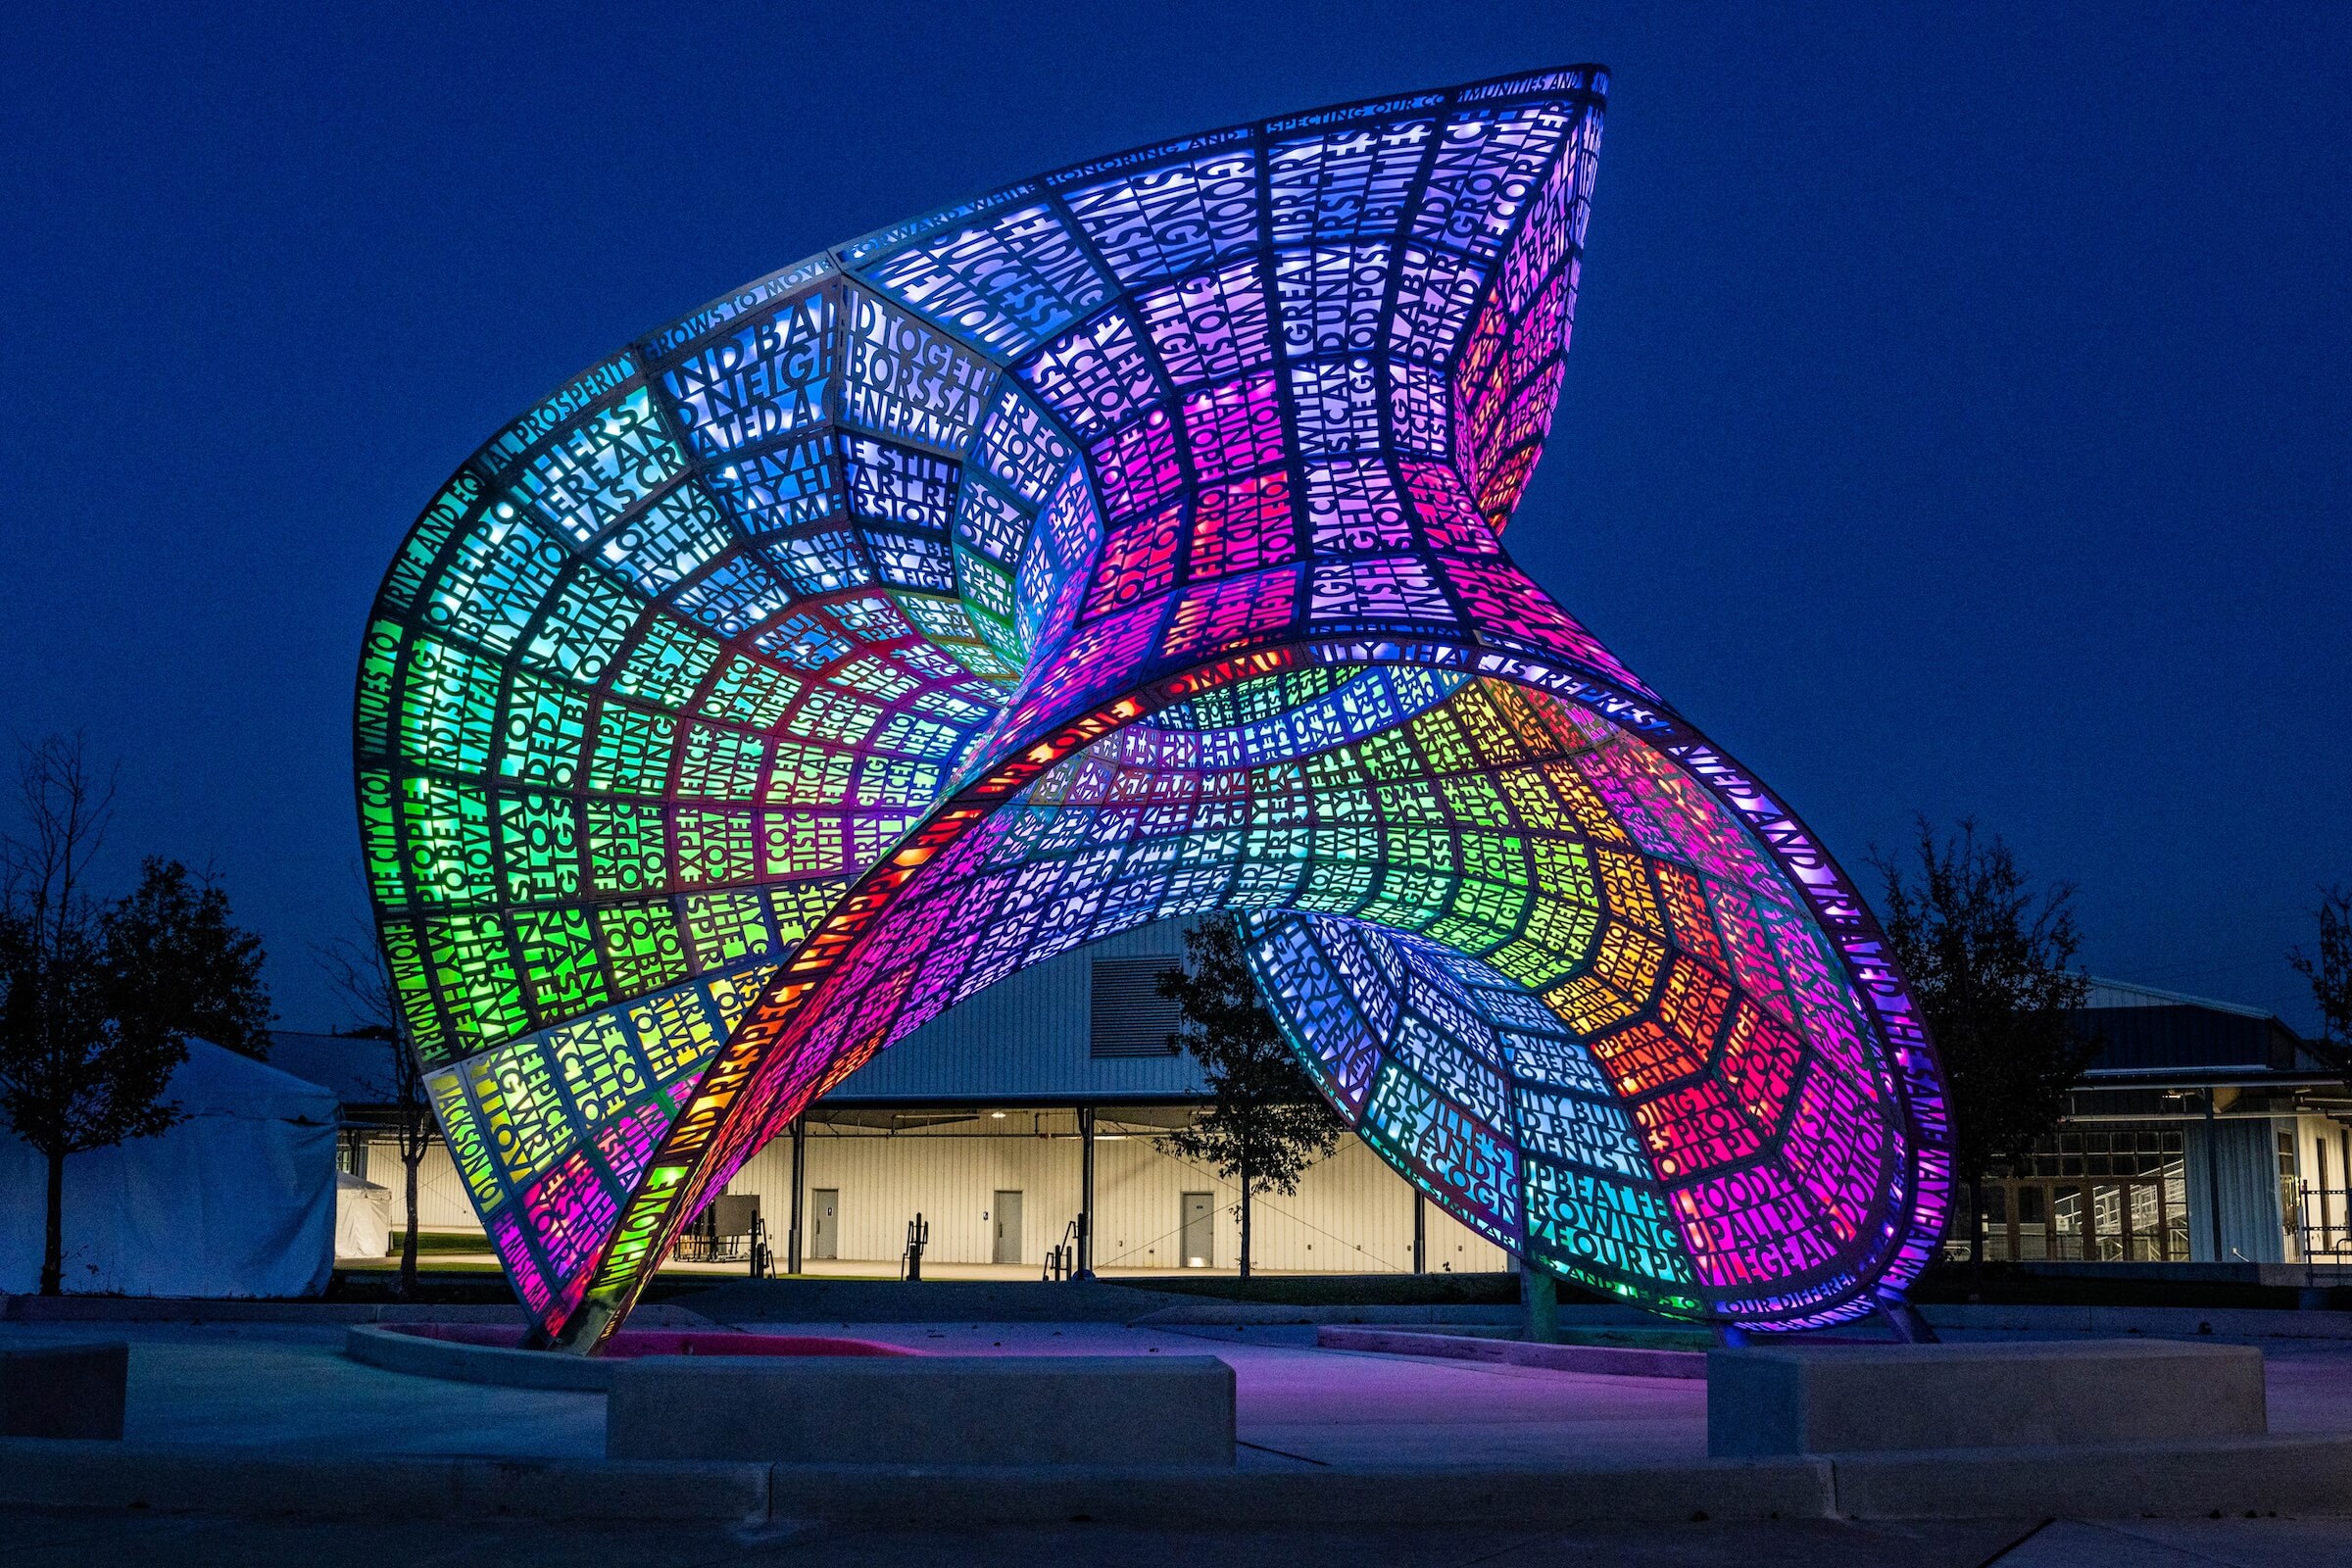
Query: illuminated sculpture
1121,544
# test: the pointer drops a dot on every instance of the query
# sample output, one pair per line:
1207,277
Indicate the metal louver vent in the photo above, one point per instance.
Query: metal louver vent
1130,1018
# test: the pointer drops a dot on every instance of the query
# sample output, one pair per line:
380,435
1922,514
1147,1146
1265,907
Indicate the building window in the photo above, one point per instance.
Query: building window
2116,1194
1129,1017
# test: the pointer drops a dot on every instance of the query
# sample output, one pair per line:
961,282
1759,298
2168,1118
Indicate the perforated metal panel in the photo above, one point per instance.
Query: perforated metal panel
1120,546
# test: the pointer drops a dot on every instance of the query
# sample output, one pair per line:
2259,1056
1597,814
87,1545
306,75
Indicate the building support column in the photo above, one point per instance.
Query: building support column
2213,1175
1420,1232
800,1172
1085,1194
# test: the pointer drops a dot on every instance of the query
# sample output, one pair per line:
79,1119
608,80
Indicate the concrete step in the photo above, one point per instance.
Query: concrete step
2311,1477
1608,1360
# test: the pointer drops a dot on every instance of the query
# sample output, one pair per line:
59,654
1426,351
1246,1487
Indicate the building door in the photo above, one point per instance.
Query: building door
1199,1231
1009,1229
824,1227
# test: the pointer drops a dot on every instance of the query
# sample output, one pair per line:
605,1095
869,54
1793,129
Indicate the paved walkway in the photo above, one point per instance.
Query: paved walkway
38,1539
268,1385
283,1388
290,1389
1297,1405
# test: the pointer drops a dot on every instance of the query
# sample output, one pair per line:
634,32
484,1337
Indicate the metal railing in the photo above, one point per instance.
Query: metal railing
2323,1232
1062,1258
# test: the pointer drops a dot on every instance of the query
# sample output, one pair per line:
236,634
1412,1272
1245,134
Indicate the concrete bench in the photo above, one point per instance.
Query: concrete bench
64,1391
959,1410
1845,1399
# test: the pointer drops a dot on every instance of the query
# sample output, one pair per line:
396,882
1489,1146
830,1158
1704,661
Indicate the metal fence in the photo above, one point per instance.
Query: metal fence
2323,1231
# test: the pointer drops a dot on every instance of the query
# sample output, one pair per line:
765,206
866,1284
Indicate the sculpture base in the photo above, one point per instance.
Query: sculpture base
1848,1399
926,1410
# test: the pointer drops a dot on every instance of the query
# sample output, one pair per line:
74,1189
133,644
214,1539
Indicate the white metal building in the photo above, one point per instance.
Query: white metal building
2204,1133
974,1123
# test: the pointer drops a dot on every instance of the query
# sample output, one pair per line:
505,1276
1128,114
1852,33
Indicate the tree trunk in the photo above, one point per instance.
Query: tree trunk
1244,1220
53,1237
408,1241
1976,1231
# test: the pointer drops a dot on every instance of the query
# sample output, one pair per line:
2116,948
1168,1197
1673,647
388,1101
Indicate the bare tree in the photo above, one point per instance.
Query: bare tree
355,968
1266,1122
2330,971
1989,960
74,1077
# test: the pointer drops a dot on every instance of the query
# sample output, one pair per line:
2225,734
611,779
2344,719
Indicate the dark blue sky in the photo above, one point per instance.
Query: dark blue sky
1957,418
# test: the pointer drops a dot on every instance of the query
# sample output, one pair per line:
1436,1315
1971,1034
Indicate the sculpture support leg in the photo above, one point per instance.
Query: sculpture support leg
1910,1325
1539,1295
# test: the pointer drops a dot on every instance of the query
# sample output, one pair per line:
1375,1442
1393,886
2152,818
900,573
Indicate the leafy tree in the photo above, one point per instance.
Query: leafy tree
98,1001
2330,971
1266,1122
1988,960
182,965
355,967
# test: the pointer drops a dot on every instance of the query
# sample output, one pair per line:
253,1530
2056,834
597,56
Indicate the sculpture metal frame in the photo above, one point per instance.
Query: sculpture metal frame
1122,545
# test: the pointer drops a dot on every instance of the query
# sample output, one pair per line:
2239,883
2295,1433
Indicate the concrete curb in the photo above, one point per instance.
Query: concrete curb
2291,1475
1783,1489
2165,1322
1611,1361
303,1314
2168,1322
2306,1476
413,1353
175,1479
1252,1315
115,1475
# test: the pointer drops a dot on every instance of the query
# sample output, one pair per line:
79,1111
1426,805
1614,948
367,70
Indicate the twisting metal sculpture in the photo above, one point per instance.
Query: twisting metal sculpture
1121,544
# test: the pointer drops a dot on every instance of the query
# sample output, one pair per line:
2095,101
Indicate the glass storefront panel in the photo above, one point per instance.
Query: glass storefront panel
2133,1208
2066,1223
2176,1210
2107,1222
2145,1243
1997,1222
2033,1221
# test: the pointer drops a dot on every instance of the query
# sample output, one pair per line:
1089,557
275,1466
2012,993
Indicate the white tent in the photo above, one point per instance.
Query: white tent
363,1217
237,1200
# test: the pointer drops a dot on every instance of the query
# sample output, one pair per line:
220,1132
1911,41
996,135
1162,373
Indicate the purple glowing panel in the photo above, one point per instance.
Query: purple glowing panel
1121,546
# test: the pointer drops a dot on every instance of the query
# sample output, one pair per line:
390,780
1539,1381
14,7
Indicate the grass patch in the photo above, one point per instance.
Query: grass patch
435,1286
432,1243
1633,1339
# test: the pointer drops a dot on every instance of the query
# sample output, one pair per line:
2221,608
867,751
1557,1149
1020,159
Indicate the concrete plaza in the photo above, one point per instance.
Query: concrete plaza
43,1537
279,1386
281,1389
